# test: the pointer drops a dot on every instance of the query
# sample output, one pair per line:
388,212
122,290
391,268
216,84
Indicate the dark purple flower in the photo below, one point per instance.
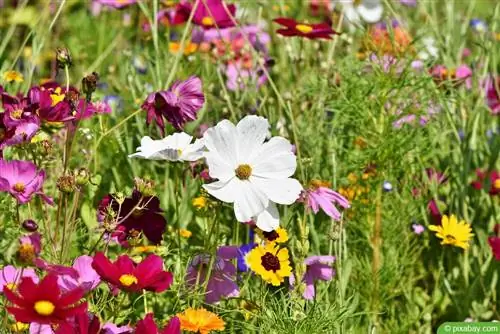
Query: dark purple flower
179,104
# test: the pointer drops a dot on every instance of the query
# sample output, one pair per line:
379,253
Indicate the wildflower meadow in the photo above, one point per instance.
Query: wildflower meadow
256,166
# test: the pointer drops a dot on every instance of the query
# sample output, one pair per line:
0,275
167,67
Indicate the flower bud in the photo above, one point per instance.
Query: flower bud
144,186
89,85
66,183
82,176
63,58
30,225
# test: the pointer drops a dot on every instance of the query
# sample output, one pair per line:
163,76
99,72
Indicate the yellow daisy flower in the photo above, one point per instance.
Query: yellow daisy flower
189,48
185,233
278,235
10,76
270,262
200,202
453,232
200,321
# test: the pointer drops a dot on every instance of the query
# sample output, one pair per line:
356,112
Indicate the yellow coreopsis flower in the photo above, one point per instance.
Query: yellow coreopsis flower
10,76
278,235
270,262
453,232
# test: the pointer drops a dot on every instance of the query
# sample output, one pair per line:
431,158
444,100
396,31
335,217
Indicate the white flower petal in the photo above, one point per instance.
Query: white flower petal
178,140
249,202
269,219
193,152
252,131
284,191
153,150
218,168
221,140
223,191
371,11
274,159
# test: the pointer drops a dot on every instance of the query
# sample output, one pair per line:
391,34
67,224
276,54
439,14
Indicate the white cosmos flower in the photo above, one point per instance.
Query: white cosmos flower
176,147
251,173
369,11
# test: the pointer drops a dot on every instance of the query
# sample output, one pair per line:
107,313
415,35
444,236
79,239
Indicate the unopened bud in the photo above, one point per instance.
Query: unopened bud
30,225
145,187
82,177
63,58
89,85
66,183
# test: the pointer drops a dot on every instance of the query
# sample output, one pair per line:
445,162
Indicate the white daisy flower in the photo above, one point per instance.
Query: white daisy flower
251,173
370,11
176,147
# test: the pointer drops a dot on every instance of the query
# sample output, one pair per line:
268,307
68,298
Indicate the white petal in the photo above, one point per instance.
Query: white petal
284,191
274,159
178,140
252,131
154,150
221,140
218,168
193,152
223,191
269,219
371,12
249,202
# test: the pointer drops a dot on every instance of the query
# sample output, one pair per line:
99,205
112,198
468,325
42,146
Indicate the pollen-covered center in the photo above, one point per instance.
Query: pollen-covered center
16,114
57,96
496,184
243,172
19,187
304,28
11,286
270,262
207,21
128,280
44,307
450,238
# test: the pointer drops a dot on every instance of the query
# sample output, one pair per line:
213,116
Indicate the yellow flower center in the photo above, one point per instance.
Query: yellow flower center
243,172
57,96
19,187
207,21
304,28
128,280
16,114
450,239
11,286
27,253
496,184
44,307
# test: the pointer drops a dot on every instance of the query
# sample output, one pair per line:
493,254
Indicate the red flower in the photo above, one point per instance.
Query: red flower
44,303
495,246
482,178
82,324
136,214
210,13
129,276
311,31
148,326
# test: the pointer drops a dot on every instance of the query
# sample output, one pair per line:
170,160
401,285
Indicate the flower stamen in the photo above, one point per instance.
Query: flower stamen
243,172
128,280
44,307
304,28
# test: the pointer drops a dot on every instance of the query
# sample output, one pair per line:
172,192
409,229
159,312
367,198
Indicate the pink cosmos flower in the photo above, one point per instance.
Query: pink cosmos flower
22,180
221,283
110,328
10,276
179,104
320,196
464,73
148,326
239,78
86,277
210,13
91,109
319,267
493,94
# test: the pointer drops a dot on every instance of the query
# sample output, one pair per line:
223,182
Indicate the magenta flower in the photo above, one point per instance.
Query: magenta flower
30,246
210,13
118,4
10,276
221,283
24,130
179,104
320,196
86,277
22,180
110,328
463,73
148,326
51,102
319,267
493,94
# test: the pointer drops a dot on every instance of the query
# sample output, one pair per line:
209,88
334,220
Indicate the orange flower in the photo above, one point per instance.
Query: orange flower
200,320
381,41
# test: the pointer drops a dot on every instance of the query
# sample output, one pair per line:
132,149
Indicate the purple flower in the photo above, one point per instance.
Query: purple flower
387,63
110,328
464,73
86,278
179,104
22,180
320,196
24,130
492,94
221,283
10,276
30,247
409,3
239,78
418,229
319,267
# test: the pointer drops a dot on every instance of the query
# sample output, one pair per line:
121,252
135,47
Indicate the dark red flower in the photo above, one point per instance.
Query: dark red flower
311,31
136,214
43,302
148,326
210,13
490,180
81,324
129,276
495,246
